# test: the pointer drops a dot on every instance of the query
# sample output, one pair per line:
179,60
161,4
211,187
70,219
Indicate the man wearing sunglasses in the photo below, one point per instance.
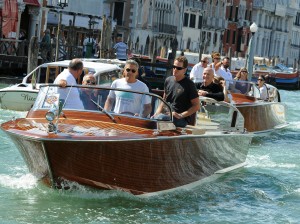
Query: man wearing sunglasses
181,93
126,102
88,94
197,70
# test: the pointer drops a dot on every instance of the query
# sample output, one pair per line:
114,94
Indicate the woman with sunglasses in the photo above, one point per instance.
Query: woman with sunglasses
262,87
129,103
241,81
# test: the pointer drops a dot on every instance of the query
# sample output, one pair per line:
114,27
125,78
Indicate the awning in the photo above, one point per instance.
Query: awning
10,18
80,21
32,2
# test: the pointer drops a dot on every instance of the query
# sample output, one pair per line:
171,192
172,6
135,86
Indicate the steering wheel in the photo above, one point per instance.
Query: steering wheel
128,113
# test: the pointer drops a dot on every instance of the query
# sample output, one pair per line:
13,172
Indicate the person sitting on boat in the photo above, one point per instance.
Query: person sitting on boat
68,77
209,88
242,87
226,74
197,71
221,81
87,94
126,102
262,87
181,93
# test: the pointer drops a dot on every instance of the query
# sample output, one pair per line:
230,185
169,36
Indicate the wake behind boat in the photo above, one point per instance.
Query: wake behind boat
21,96
122,150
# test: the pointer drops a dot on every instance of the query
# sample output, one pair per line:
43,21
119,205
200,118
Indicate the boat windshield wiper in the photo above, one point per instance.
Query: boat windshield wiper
104,111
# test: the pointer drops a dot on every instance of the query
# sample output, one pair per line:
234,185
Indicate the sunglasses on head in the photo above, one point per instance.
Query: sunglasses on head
90,82
128,70
177,68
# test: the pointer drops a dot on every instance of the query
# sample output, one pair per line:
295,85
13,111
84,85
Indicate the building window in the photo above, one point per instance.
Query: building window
233,37
193,21
227,36
186,20
200,22
118,12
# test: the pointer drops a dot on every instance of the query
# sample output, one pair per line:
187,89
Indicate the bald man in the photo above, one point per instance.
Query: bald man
209,88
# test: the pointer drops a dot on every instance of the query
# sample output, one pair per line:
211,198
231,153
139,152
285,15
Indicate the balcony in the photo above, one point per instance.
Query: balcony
164,28
258,4
195,4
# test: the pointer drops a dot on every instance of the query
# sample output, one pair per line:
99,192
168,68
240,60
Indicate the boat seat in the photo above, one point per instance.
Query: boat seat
195,130
22,85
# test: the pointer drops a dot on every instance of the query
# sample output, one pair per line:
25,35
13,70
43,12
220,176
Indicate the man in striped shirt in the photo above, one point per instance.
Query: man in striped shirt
121,49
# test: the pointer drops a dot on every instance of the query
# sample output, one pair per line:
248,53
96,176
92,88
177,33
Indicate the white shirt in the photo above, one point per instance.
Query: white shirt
263,92
86,41
126,101
70,95
197,73
226,74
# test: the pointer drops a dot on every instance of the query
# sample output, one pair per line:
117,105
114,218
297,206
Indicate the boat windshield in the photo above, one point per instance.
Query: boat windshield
103,99
244,87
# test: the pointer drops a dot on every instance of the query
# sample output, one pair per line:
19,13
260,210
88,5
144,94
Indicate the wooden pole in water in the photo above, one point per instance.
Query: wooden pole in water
33,52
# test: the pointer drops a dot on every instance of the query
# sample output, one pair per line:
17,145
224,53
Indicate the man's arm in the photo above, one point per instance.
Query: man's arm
147,110
194,108
108,104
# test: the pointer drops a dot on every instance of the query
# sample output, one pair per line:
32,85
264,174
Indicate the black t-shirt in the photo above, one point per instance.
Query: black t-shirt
214,90
179,94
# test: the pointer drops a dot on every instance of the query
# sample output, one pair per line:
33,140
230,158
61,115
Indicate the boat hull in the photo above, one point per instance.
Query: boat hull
19,98
263,116
138,166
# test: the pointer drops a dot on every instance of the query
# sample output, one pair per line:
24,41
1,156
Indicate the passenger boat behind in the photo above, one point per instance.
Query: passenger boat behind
21,96
260,116
135,153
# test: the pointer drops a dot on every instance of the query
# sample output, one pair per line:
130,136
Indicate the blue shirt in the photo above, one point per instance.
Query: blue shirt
121,50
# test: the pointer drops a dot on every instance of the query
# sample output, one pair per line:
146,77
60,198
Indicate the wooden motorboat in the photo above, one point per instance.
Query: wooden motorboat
260,115
21,96
120,150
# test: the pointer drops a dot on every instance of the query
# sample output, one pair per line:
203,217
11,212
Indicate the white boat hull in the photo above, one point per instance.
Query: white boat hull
18,97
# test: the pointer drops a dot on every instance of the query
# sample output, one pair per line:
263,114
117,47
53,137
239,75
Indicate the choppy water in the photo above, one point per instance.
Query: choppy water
267,190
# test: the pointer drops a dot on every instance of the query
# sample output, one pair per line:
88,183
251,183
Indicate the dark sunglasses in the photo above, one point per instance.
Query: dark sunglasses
217,58
204,61
177,68
260,79
245,71
90,82
128,70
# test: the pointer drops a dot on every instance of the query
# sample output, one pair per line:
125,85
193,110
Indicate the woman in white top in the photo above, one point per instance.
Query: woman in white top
262,88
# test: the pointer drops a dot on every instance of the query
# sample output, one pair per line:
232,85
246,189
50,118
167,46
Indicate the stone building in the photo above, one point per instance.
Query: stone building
275,19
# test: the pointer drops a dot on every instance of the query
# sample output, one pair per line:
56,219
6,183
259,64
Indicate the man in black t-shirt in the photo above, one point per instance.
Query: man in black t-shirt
209,88
180,92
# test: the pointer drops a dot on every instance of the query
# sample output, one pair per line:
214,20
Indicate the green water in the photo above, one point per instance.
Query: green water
267,190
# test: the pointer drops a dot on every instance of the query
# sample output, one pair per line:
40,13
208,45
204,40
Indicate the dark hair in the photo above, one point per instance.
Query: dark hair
137,60
262,77
76,64
182,59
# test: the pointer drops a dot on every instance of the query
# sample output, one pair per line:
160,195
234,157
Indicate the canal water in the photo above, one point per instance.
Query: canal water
267,190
